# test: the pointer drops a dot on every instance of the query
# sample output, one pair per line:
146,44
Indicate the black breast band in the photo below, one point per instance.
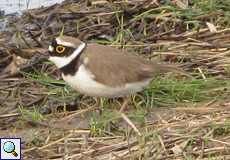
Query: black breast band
72,67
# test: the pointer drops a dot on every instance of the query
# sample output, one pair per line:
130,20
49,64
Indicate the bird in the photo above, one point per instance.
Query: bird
102,71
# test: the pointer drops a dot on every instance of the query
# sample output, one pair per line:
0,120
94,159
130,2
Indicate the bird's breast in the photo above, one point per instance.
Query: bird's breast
83,81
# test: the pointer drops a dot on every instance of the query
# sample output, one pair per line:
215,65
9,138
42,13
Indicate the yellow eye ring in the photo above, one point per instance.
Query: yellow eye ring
60,49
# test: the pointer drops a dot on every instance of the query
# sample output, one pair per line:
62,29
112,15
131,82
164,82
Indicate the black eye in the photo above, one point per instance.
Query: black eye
60,49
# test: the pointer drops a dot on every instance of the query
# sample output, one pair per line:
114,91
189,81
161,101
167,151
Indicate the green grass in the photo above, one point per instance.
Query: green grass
42,79
164,91
169,90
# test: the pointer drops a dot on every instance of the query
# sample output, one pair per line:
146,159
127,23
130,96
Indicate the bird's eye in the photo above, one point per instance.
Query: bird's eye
60,49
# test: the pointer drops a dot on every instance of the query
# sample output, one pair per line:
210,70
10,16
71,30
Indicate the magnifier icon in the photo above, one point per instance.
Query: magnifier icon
9,147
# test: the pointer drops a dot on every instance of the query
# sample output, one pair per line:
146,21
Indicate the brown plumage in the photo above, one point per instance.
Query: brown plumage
115,68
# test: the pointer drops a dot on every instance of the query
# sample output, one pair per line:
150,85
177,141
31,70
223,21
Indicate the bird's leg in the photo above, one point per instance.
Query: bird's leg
95,106
125,103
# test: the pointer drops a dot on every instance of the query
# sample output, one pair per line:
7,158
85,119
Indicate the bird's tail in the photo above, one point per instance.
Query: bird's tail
170,67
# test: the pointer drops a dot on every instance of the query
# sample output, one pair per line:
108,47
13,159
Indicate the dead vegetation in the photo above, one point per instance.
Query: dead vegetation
194,126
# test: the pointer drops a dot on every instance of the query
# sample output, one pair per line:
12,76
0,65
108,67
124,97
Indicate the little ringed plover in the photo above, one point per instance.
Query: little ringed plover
102,71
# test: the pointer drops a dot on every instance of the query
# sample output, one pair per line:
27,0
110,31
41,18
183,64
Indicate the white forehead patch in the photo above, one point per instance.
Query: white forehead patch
60,42
51,49
63,61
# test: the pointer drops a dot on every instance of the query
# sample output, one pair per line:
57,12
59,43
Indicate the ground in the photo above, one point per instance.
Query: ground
179,117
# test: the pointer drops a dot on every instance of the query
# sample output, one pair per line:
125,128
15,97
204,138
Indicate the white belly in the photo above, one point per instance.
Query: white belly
83,82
